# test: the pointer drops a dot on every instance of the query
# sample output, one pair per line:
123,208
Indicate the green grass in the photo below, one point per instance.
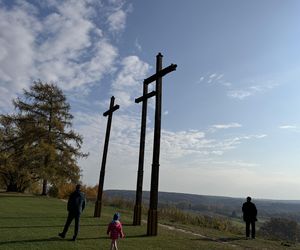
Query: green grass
33,222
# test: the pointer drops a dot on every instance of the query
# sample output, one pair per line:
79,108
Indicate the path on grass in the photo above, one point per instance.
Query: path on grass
194,234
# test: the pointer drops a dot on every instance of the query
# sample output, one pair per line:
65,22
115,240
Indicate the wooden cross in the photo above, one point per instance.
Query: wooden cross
109,113
152,212
139,186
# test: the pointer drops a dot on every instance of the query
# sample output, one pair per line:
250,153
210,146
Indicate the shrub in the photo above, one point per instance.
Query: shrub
174,214
280,228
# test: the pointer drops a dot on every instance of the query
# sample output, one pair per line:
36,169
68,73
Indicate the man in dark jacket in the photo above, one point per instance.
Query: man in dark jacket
76,205
249,216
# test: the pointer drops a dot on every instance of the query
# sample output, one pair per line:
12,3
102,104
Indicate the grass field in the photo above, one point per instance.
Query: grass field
33,222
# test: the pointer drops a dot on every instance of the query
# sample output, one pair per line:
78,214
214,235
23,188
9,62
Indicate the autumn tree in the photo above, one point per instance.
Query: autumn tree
44,115
16,171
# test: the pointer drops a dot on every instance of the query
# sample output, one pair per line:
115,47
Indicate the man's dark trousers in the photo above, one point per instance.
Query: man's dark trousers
252,223
72,216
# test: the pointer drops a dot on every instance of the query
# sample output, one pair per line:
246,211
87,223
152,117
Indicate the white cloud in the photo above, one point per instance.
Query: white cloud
128,82
117,20
226,126
182,147
287,127
241,94
17,38
234,92
138,45
235,164
66,47
212,78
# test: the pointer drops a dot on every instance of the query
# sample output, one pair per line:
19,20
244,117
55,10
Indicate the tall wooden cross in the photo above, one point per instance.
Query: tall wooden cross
152,212
109,113
139,186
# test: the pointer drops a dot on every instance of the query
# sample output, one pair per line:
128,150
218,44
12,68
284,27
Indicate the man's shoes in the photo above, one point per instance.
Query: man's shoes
61,235
74,238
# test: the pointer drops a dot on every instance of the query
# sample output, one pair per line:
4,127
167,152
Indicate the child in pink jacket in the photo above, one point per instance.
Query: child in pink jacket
115,230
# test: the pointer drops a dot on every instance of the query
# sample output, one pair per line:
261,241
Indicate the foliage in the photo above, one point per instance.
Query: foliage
118,202
15,160
39,139
64,190
280,228
176,215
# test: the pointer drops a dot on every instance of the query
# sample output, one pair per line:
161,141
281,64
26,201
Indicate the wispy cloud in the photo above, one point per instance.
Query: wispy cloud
290,128
242,94
232,91
226,126
188,147
117,21
138,45
239,94
212,78
287,127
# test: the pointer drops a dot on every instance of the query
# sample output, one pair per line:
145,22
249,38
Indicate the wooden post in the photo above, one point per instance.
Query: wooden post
139,186
109,113
152,212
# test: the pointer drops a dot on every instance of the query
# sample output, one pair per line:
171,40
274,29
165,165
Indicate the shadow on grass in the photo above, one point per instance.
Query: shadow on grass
128,225
136,236
30,241
30,217
49,240
45,226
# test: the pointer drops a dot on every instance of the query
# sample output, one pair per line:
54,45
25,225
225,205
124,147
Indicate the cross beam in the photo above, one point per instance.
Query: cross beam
160,73
144,97
109,113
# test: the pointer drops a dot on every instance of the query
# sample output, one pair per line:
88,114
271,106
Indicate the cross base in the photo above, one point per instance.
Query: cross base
97,212
137,215
152,222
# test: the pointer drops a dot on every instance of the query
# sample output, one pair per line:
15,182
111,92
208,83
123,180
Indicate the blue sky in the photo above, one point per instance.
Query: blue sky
230,122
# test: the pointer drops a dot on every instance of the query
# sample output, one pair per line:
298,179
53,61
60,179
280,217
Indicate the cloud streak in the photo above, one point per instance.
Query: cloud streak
227,126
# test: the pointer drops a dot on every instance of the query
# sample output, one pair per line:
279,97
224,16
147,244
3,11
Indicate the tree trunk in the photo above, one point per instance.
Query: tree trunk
12,187
45,182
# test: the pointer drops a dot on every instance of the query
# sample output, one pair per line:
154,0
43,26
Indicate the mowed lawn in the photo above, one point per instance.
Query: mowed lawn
33,222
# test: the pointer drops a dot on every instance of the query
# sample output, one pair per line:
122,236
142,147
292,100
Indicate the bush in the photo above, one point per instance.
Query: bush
174,214
53,191
118,202
280,228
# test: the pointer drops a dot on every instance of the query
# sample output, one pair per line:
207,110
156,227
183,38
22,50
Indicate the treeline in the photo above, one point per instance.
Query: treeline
37,143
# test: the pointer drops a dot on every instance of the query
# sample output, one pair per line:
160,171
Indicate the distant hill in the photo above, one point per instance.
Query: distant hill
217,205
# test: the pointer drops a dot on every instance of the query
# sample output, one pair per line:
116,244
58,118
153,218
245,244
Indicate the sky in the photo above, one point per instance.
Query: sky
230,112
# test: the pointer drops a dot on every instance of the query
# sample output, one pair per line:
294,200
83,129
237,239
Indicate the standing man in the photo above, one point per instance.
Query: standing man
76,205
249,216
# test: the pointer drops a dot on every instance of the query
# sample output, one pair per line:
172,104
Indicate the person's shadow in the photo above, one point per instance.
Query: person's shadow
56,238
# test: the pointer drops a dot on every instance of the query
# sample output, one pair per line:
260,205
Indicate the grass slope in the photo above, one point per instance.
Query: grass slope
31,222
